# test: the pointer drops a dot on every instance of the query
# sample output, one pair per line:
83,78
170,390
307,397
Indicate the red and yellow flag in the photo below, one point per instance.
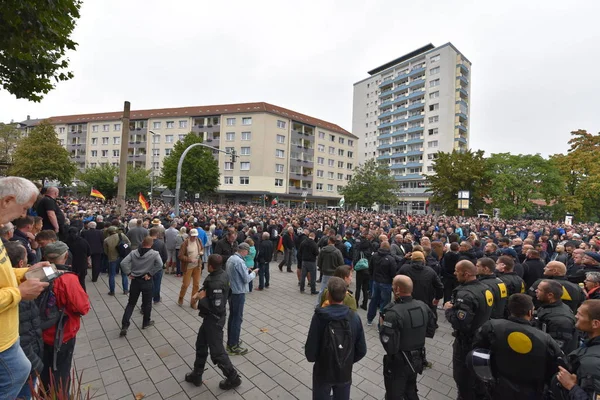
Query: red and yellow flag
143,202
96,193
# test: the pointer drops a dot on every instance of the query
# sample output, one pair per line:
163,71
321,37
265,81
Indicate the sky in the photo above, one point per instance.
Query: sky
533,79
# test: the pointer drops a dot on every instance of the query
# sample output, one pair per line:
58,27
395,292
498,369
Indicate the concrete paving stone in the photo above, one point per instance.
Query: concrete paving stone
255,357
164,351
247,369
111,376
254,394
145,387
179,396
158,373
193,391
302,392
179,372
378,391
136,374
264,382
103,352
118,390
173,361
89,374
168,387
129,362
287,381
94,388
158,341
279,393
85,362
269,368
124,352
433,395
107,363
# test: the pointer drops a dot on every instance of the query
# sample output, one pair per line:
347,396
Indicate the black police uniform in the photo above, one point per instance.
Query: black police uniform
210,336
523,358
572,296
514,284
406,323
585,363
472,306
558,321
500,292
579,276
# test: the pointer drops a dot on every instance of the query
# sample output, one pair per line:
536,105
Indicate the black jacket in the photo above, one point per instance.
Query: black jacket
95,239
30,334
426,283
308,250
329,259
382,267
265,251
213,305
225,249
449,264
20,237
533,269
287,241
159,245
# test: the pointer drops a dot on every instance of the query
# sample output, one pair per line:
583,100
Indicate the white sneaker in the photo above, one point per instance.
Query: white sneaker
369,323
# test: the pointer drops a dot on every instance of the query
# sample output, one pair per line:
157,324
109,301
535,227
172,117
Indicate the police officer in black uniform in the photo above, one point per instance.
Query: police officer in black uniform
554,317
471,307
572,295
212,300
505,272
486,268
523,358
404,325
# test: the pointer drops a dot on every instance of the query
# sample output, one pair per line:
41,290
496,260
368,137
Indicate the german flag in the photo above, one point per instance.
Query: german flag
143,202
96,193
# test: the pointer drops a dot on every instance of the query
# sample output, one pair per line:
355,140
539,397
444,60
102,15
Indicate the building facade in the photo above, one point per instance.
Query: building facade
408,110
281,153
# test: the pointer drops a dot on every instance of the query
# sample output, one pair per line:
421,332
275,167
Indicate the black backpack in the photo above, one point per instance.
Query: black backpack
123,248
50,314
337,351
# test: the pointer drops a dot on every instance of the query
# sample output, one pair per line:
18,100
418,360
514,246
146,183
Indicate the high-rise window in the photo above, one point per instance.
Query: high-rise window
229,180
350,142
319,187
330,162
321,148
279,168
278,182
245,166
434,107
105,127
279,153
94,153
432,144
319,173
246,136
228,166
434,71
433,131
321,135
170,124
434,58
182,124
156,125
435,82
281,124
230,121
168,138
320,160
247,121
280,139
244,180
341,152
116,153
94,141
329,187
434,95
104,140
434,119
245,151
230,136
94,128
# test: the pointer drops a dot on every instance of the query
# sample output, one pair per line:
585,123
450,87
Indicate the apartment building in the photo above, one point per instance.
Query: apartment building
281,153
409,109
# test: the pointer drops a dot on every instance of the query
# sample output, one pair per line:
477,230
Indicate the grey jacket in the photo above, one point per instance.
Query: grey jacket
141,262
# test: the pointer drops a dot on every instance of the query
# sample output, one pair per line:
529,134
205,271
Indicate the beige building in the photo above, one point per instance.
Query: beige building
281,153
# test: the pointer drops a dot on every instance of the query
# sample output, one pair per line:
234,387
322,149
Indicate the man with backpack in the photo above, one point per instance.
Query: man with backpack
336,340
61,306
115,247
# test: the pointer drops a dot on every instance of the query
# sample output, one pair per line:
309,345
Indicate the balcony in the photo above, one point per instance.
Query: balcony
414,153
384,157
400,88
464,103
414,141
299,190
384,146
416,71
385,115
414,164
385,135
385,104
463,92
138,144
416,94
417,82
414,129
401,77
462,115
463,68
386,125
460,140
413,176
386,93
415,118
386,82
461,128
399,110
463,80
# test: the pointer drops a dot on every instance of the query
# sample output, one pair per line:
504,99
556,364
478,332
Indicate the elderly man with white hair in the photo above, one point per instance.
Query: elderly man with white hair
17,195
95,238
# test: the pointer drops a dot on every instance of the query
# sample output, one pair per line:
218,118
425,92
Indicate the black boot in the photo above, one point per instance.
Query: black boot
194,377
230,383
364,305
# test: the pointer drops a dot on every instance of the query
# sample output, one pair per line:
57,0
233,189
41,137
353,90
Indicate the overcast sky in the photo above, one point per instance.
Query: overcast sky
534,76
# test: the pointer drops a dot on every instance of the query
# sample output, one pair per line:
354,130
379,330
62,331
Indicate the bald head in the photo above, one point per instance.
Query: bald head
465,271
555,268
402,285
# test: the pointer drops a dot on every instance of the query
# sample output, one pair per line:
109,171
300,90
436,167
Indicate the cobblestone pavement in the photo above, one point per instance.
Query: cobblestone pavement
152,363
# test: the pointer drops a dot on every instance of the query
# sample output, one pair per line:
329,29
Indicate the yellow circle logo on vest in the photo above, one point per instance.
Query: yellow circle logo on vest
489,297
519,342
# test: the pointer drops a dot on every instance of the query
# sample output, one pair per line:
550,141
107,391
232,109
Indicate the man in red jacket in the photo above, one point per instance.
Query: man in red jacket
71,298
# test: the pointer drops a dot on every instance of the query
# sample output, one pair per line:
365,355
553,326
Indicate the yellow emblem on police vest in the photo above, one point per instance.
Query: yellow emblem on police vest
489,297
519,342
566,295
503,292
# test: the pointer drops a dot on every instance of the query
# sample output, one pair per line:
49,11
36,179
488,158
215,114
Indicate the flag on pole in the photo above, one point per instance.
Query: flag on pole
74,203
280,244
96,193
342,201
275,201
143,202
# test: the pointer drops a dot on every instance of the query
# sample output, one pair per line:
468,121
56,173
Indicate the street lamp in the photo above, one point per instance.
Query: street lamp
152,175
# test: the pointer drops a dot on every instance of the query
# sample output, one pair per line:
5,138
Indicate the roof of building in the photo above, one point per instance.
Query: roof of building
405,57
198,111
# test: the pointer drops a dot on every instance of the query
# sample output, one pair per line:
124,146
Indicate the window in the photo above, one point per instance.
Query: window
340,177
168,152
156,165
330,162
105,127
430,168
321,135
94,153
331,150
115,153
117,127
279,168
319,173
319,187
320,160
434,107
228,166
181,137
116,140
348,177
433,131
281,124
330,175
156,125
94,128
168,138
278,182
434,95
434,119
350,142
93,165
433,156
339,188
230,136
245,166
244,180
247,121
341,140
61,130
94,141
104,153
434,83
434,71
332,138
229,180
329,187
155,152
350,154
182,124
321,148
105,140
245,151
230,121
340,164
340,152
246,136
170,124
280,139
156,139
435,58
279,153
432,144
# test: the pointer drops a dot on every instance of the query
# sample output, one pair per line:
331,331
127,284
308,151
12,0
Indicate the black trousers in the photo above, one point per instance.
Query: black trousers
468,385
64,359
399,379
362,285
138,286
210,338
450,283
96,266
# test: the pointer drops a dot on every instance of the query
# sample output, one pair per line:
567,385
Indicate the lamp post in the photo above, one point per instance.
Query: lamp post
152,174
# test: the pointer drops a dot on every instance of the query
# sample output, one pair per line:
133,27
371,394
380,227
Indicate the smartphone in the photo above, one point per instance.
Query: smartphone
45,274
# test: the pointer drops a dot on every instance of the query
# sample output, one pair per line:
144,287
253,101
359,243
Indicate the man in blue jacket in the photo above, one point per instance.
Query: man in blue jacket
334,353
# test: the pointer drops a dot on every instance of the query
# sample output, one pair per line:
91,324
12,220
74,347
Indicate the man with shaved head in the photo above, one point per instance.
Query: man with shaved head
572,294
470,307
52,216
404,325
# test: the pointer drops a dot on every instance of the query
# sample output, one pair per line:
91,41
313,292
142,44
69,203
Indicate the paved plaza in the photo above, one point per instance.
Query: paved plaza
152,363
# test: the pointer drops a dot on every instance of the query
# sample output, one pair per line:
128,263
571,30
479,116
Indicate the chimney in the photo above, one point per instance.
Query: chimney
28,117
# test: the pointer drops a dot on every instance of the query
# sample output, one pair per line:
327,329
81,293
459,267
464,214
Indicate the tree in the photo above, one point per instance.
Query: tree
518,179
39,156
34,36
102,178
199,172
458,171
9,136
371,183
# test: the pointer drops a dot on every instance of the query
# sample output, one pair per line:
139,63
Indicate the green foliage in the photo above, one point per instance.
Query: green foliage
40,156
458,171
199,172
9,136
103,177
518,179
34,36
371,183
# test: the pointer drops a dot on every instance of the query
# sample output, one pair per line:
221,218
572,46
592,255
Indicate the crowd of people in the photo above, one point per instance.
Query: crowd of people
524,291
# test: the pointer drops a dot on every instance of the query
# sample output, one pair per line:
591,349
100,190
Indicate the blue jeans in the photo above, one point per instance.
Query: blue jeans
236,314
381,297
309,266
14,371
25,392
156,281
324,280
112,272
263,275
322,390
178,262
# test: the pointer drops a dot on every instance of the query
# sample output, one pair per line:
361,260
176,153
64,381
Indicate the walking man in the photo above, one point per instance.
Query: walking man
265,254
